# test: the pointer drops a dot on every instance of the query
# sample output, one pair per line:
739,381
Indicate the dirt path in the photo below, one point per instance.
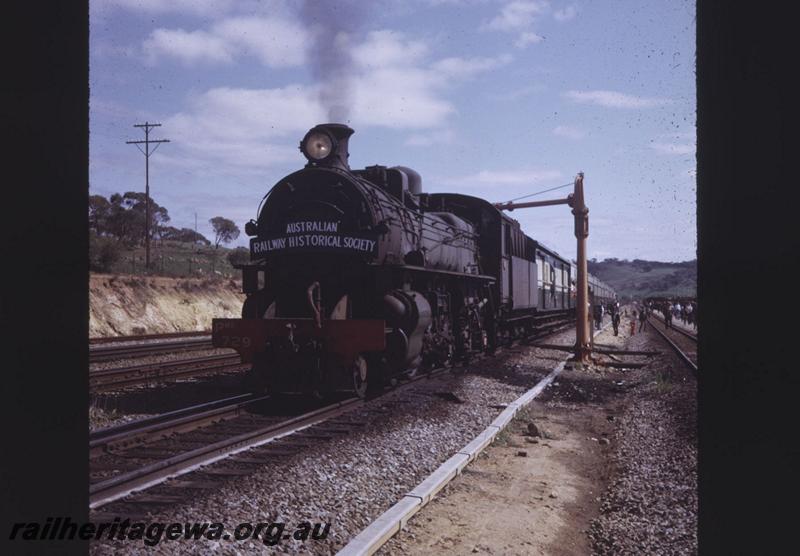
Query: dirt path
540,495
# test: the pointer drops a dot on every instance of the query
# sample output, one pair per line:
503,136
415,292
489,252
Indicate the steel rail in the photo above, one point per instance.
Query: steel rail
108,353
112,489
119,486
685,358
109,379
678,328
140,337
158,426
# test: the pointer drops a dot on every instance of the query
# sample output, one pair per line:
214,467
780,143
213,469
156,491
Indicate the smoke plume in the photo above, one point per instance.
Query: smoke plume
332,25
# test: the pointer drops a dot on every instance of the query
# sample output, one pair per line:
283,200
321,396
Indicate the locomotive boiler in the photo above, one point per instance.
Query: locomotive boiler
358,276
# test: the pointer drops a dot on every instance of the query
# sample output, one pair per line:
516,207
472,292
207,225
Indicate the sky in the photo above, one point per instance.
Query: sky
492,98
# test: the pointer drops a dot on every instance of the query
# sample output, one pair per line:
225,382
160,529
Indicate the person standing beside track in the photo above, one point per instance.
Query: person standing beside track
667,316
598,316
615,318
643,318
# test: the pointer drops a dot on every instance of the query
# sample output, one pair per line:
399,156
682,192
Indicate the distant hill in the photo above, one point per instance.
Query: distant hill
639,278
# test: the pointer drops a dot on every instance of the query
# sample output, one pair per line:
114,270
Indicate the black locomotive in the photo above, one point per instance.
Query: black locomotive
357,276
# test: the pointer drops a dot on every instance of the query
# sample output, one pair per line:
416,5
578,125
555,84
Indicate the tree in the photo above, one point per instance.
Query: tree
126,217
104,253
99,213
184,235
239,256
225,230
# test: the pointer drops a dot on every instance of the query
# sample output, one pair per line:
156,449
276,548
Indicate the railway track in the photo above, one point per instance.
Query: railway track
136,456
144,337
113,379
157,427
103,353
683,343
675,327
145,456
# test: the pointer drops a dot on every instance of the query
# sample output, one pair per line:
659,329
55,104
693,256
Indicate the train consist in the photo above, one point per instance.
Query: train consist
358,276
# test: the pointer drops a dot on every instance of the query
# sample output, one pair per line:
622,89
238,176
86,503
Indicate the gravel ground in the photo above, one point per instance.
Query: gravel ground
350,481
621,452
100,419
650,506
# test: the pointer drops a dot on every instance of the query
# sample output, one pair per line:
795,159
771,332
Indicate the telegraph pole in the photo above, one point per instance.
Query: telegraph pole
147,152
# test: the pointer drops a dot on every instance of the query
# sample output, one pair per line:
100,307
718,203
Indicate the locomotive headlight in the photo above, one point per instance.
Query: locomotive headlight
317,145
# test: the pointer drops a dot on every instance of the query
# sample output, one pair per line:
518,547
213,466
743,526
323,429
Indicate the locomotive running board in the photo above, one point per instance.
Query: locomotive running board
413,268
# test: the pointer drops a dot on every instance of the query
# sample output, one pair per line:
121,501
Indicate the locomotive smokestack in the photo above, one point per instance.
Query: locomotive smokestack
327,145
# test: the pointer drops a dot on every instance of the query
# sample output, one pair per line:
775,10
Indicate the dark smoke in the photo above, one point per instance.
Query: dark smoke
333,25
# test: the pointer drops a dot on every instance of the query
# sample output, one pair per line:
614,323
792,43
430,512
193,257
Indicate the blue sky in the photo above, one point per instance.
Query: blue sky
492,98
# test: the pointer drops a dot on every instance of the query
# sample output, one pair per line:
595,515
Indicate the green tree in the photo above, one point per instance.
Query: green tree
127,215
104,253
225,230
99,212
239,256
184,235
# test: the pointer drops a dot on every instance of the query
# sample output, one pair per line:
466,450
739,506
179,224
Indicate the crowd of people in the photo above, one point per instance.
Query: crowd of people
683,310
686,312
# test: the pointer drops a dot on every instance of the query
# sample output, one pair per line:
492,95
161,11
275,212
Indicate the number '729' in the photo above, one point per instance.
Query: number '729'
236,341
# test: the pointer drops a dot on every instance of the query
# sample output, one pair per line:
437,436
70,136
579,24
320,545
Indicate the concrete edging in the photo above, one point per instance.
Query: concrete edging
369,540
388,524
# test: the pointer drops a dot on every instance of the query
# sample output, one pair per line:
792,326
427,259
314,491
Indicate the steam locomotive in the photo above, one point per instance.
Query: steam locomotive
357,277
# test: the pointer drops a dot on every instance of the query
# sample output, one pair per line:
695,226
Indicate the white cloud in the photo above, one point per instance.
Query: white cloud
516,15
565,14
395,86
242,128
191,7
276,42
464,68
190,47
613,99
505,177
388,48
674,148
569,132
393,83
526,38
400,98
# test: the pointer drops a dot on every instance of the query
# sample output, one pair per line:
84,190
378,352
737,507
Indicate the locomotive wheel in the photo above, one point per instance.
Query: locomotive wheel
359,372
